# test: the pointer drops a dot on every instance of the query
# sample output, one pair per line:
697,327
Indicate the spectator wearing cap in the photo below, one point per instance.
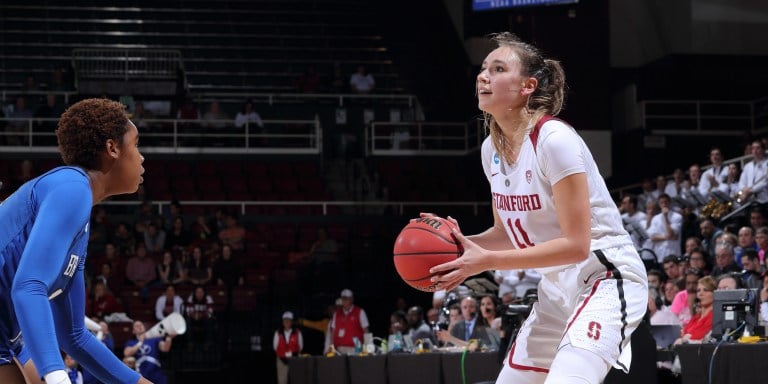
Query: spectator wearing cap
287,342
349,322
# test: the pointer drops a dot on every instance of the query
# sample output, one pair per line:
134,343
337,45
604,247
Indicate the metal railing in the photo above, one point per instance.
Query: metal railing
369,207
421,138
177,136
701,117
277,98
126,64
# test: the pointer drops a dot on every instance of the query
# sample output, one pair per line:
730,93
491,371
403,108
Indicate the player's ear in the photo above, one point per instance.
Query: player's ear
113,148
529,86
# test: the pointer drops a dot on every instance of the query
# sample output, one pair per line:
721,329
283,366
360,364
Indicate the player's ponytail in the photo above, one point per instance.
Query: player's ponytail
549,95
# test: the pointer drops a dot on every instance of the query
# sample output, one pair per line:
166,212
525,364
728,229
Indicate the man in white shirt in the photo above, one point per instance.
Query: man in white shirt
754,176
664,231
715,175
634,220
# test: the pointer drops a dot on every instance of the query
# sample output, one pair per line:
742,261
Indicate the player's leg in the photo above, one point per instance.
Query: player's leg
577,366
529,358
30,372
11,373
611,306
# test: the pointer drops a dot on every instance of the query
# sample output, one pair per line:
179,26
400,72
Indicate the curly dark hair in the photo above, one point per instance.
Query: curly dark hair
84,128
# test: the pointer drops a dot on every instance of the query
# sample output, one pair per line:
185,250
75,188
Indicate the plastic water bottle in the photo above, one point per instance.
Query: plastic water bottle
358,345
397,342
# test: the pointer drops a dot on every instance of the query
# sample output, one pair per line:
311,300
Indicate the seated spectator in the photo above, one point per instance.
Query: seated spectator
141,270
715,175
140,115
201,232
200,317
764,299
248,115
178,237
111,280
167,303
472,326
215,118
488,312
361,81
751,274
761,239
324,249
700,325
71,367
418,329
671,288
665,230
50,110
101,302
398,326
170,270
660,314
226,271
19,128
197,270
729,281
724,260
188,110
746,240
154,239
730,185
123,239
233,234
681,304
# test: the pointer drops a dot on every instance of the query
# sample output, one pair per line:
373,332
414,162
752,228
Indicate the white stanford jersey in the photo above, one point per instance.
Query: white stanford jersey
522,193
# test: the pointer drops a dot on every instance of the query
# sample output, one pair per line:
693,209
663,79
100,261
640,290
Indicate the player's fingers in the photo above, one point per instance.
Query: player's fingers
427,214
452,220
438,269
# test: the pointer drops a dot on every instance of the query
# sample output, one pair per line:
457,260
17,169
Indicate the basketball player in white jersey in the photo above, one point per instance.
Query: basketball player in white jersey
552,211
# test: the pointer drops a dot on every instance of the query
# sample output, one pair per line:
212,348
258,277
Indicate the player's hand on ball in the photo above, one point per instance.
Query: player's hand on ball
450,220
451,274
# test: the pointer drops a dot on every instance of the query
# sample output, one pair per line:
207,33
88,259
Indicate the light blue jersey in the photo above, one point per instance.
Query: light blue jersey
43,242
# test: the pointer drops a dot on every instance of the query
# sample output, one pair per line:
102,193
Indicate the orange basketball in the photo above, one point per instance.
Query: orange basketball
422,244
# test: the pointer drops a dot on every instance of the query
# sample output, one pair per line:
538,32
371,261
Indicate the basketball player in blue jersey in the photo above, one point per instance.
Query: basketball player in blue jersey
552,212
43,239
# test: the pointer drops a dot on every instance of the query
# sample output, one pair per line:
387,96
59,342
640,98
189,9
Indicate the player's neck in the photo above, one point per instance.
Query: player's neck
98,186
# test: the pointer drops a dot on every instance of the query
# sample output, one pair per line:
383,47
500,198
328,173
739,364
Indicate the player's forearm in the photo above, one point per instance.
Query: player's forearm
559,251
494,238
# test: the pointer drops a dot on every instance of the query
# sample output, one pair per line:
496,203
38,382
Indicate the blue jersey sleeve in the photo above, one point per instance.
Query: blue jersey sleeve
63,211
81,344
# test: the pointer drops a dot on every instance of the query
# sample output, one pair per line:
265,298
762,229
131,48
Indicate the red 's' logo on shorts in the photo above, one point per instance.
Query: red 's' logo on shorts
594,330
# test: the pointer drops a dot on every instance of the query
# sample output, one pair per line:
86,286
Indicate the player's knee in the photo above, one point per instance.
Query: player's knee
577,366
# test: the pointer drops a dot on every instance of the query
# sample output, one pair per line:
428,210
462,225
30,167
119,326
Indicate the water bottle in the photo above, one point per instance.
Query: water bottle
358,345
397,342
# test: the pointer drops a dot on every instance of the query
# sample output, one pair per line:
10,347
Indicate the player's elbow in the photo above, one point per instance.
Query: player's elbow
23,289
579,251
